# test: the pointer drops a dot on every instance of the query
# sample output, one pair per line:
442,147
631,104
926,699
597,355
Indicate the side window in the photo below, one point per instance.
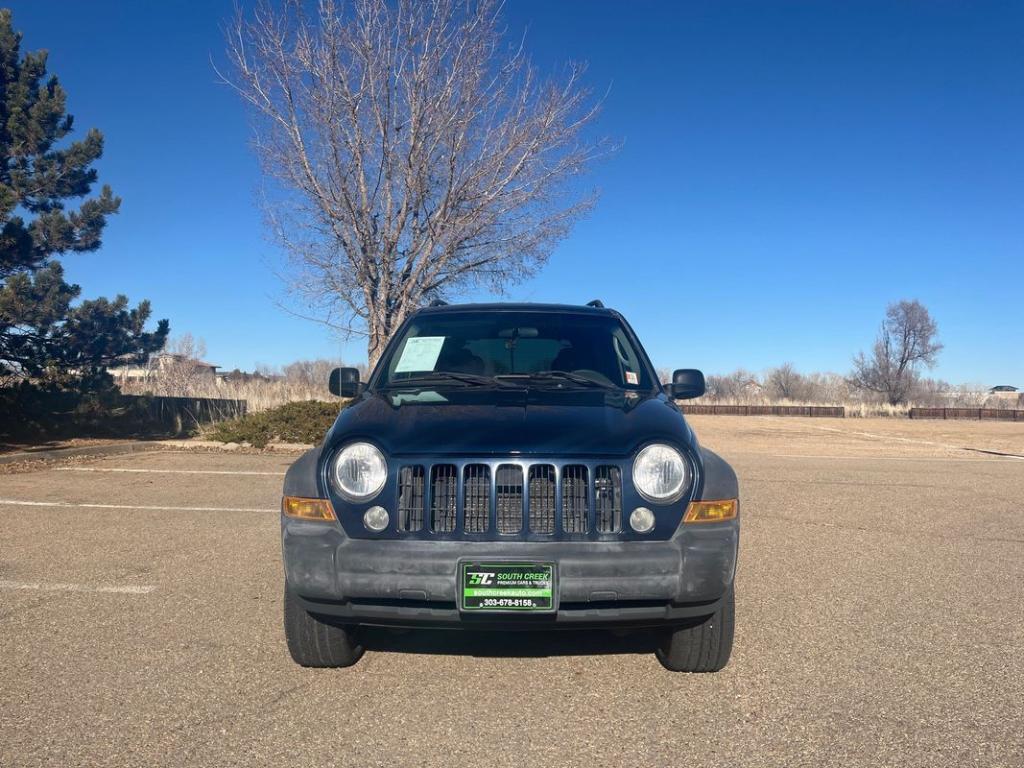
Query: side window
629,366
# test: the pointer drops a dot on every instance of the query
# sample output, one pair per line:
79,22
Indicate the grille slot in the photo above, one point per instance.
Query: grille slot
608,499
476,498
542,498
443,492
575,503
509,496
410,499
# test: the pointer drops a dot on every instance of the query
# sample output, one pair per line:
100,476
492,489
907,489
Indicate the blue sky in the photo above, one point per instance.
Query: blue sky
788,169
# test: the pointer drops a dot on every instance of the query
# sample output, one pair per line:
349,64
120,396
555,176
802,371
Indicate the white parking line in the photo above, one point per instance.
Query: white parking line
169,471
70,505
993,460
125,590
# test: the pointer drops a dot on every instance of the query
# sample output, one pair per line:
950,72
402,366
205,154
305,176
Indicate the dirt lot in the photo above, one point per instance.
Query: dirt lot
879,623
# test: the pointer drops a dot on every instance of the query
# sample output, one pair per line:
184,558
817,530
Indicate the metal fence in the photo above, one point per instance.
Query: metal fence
1000,414
827,411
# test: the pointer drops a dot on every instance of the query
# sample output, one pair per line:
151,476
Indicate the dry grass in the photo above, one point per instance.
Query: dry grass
259,394
853,409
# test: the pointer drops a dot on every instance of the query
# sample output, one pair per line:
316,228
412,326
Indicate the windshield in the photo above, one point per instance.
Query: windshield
563,348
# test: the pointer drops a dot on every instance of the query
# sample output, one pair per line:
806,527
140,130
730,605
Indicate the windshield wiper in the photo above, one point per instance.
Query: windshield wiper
437,377
575,378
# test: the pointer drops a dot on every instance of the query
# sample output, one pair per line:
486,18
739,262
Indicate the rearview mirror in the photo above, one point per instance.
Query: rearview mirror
686,383
345,382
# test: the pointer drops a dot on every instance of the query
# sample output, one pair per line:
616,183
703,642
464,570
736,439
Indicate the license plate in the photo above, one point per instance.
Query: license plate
497,586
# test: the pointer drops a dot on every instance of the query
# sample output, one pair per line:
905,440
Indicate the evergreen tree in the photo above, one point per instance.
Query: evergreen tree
42,335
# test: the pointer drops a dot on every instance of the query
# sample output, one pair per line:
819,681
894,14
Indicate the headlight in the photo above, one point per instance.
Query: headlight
660,473
359,471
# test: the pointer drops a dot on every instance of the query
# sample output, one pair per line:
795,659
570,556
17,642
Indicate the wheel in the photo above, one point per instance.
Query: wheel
313,643
703,647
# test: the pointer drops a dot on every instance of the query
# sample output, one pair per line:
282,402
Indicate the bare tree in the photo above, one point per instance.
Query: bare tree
416,151
828,388
181,372
740,386
906,340
309,373
786,383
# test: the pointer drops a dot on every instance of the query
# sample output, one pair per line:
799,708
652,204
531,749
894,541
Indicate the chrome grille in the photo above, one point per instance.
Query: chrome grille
541,499
608,499
410,499
476,498
574,499
444,483
509,496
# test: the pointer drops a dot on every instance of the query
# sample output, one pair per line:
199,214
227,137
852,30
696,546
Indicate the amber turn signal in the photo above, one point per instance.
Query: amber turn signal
307,509
711,511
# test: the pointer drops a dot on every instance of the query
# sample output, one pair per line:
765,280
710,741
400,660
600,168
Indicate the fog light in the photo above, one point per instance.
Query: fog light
711,511
642,520
376,519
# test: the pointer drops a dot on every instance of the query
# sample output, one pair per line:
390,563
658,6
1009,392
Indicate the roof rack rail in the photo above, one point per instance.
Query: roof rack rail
596,303
438,303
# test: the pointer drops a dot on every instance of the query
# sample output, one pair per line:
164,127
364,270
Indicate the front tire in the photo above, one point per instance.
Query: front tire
314,643
704,647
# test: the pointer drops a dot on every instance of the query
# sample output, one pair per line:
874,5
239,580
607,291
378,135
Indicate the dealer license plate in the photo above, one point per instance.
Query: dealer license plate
501,586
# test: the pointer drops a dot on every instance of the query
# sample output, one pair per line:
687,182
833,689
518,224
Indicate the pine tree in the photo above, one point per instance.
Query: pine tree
44,334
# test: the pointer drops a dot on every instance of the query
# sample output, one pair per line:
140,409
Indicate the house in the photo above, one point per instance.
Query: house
161,364
1005,392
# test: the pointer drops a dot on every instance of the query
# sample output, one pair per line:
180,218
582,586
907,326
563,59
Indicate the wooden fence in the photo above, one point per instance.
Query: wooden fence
828,411
1000,414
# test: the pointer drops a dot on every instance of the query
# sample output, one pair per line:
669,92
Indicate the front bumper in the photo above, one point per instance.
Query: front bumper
413,583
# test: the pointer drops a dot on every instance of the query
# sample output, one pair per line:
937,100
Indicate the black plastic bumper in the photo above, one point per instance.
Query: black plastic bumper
413,583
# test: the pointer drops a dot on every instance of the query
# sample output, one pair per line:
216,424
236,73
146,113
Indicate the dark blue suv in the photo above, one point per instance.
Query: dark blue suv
511,467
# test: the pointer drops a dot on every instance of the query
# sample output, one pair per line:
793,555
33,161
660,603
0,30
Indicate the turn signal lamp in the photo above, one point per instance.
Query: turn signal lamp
711,511
307,509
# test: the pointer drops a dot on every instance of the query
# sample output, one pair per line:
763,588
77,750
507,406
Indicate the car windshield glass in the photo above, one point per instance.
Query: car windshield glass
524,346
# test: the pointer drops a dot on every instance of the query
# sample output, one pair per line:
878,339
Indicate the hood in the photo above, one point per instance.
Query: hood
485,421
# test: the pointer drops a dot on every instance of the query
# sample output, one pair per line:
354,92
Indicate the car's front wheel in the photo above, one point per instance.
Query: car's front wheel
703,647
314,643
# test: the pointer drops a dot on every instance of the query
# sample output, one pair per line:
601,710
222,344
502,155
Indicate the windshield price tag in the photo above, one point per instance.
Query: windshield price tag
420,354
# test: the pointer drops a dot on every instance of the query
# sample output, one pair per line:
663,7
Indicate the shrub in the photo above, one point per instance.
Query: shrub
299,422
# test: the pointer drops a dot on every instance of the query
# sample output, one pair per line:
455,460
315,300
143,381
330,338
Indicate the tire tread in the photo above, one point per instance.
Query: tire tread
704,647
314,643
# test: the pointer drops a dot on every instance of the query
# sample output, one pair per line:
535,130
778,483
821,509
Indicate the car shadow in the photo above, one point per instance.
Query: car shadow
493,644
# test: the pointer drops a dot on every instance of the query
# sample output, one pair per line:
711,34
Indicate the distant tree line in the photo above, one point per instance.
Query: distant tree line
891,373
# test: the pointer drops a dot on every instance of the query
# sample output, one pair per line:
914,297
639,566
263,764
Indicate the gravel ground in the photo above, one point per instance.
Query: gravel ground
879,623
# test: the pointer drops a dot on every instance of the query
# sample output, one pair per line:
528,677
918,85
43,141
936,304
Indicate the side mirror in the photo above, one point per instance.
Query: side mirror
345,382
686,383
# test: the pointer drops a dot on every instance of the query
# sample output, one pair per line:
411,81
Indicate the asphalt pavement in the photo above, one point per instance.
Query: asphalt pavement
879,622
